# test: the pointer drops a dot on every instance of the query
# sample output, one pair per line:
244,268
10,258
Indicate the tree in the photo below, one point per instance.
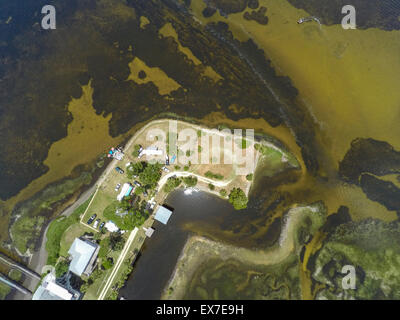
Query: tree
238,199
139,190
249,177
171,184
117,242
84,287
136,149
151,175
135,169
125,204
61,268
108,263
211,186
190,181
223,192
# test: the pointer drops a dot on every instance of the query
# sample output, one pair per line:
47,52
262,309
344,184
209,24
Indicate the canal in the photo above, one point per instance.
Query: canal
192,213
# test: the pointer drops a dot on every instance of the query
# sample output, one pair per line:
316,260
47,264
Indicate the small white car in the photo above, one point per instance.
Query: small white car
165,169
96,223
117,187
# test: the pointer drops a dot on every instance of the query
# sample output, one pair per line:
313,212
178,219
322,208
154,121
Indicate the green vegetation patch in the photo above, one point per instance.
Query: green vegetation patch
217,279
57,229
26,230
190,181
131,213
212,175
238,199
372,247
172,183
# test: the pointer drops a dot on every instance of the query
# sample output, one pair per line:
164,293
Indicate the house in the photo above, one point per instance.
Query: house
83,255
50,290
150,151
125,191
163,214
121,213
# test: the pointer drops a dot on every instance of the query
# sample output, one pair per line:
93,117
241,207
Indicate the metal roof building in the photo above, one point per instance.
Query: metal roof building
163,214
50,290
84,254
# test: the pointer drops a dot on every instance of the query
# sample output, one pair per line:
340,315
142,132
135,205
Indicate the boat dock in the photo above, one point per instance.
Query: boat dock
16,265
13,284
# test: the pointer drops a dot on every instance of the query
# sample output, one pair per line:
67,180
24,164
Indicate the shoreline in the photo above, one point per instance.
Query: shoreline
198,249
37,260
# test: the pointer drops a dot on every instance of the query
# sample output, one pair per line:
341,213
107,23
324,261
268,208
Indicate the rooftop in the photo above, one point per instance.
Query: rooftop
50,290
81,252
163,214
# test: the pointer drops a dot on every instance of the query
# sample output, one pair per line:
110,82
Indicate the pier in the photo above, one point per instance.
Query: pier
16,265
13,284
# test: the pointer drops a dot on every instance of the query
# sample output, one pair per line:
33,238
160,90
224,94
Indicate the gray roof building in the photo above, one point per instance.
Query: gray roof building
50,290
83,256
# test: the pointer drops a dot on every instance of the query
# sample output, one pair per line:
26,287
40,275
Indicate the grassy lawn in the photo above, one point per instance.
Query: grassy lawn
101,201
56,230
4,290
24,228
74,231
95,288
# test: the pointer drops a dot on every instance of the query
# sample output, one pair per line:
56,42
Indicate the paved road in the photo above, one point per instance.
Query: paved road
39,258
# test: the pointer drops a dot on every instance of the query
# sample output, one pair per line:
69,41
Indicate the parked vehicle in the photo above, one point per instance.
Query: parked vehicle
137,183
119,170
117,187
91,219
167,160
102,225
165,169
96,223
145,193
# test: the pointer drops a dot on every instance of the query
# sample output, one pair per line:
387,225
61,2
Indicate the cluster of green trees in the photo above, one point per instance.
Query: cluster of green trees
61,268
135,169
135,216
108,263
151,175
96,274
238,199
136,149
148,173
212,175
172,183
115,242
190,181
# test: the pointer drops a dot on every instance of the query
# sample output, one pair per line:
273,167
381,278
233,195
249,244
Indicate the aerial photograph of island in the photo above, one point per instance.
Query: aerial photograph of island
197,150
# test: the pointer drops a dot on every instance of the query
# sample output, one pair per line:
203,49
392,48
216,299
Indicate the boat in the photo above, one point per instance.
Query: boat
307,19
